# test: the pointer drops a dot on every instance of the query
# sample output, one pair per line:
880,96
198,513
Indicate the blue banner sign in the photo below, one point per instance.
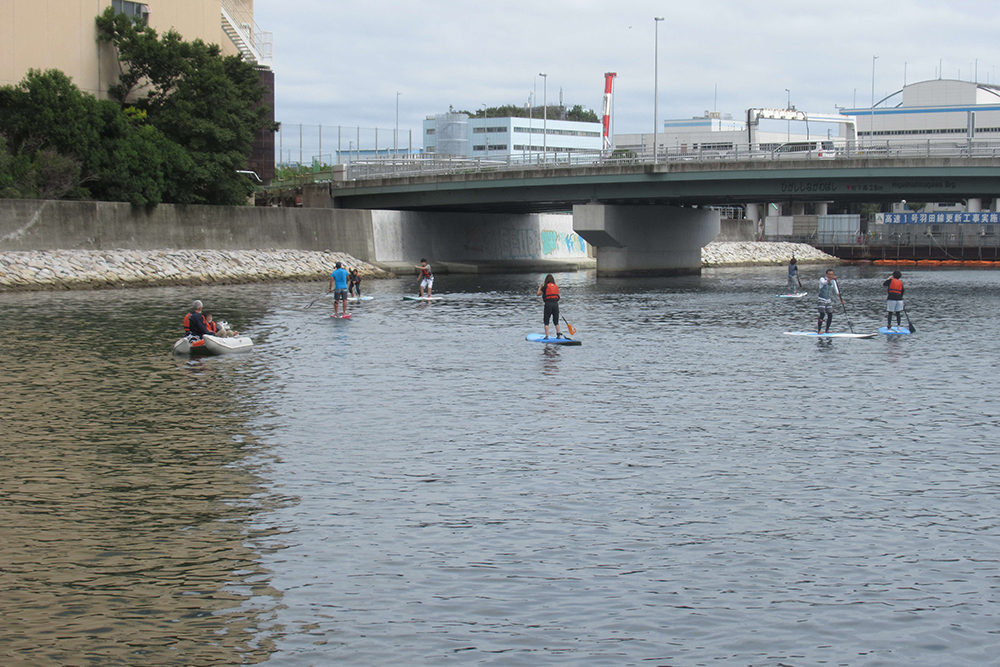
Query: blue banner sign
979,218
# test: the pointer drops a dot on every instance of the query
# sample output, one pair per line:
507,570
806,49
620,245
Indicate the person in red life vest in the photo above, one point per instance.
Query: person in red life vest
894,301
426,277
194,323
549,292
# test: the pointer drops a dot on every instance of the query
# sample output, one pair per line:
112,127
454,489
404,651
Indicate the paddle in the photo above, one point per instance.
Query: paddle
318,298
908,322
845,307
572,329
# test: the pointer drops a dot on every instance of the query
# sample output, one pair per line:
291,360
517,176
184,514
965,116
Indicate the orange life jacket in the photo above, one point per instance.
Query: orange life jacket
896,288
551,292
212,327
187,323
425,272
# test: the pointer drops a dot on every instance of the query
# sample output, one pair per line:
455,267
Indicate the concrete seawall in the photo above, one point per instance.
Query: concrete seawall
102,269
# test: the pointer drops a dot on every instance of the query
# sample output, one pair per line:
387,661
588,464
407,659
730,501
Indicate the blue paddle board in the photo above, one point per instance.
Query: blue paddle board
829,335
364,298
410,297
894,331
540,338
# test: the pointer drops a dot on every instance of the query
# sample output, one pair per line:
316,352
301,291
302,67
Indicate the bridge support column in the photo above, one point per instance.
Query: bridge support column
753,212
822,207
646,240
975,205
798,208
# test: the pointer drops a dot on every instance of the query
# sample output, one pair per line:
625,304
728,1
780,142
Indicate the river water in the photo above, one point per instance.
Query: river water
421,486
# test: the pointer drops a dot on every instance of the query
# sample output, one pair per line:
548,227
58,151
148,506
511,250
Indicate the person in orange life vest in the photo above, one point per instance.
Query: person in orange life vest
549,292
426,277
894,301
194,323
213,328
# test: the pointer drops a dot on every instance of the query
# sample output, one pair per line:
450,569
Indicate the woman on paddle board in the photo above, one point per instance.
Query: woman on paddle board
549,292
824,303
894,300
793,275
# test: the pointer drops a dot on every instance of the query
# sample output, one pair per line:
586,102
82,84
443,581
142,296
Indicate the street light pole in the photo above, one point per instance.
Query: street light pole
545,113
788,123
871,124
656,81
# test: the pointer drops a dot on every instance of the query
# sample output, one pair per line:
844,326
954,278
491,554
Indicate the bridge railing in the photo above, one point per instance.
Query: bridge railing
429,163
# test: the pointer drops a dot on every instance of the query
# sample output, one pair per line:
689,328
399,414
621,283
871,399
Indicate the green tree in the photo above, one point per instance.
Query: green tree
203,102
64,143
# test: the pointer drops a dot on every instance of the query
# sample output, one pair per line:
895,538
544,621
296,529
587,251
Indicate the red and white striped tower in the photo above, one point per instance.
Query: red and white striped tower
609,78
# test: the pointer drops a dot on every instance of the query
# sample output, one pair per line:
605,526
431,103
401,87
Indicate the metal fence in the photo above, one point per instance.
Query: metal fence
425,164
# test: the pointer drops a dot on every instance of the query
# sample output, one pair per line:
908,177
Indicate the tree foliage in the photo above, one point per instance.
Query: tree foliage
180,125
552,112
204,102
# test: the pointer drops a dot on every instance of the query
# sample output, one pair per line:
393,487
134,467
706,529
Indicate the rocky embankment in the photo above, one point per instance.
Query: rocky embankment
97,269
753,253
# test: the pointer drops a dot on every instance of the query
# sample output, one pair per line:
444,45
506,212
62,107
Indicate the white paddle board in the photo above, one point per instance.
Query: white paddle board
356,299
410,297
829,335
796,295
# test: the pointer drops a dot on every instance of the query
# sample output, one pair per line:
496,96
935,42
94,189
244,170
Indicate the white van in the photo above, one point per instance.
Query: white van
806,149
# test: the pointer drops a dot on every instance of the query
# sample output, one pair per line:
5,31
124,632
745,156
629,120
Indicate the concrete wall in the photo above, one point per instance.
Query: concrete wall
403,236
736,231
48,225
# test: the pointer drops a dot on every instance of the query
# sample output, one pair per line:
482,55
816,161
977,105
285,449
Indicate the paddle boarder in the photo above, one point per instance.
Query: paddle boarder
824,303
338,285
426,277
549,292
354,284
894,299
793,275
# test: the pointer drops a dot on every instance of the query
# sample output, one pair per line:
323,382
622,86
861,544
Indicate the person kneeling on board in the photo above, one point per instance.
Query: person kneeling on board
894,300
354,284
824,303
549,292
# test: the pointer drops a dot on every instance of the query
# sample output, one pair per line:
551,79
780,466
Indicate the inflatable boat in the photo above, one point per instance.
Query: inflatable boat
213,345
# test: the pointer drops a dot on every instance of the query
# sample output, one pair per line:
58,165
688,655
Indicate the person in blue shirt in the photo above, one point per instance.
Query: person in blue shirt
338,285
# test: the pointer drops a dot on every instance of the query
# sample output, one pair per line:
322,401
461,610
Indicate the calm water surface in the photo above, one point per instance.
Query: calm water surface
420,486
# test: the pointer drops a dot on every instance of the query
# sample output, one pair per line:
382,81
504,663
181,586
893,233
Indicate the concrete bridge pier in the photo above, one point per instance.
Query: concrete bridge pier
646,240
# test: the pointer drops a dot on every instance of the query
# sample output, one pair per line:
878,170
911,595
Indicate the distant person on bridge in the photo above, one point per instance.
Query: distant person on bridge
824,303
549,292
426,278
894,301
793,276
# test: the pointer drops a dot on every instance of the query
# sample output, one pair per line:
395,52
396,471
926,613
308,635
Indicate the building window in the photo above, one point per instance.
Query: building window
430,131
134,10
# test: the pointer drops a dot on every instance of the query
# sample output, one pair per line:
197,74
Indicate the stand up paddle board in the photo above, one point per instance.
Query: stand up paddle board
342,317
540,338
829,335
410,297
899,331
356,299
796,295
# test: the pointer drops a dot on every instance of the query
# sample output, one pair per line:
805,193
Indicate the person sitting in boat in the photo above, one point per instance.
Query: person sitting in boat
194,322
215,330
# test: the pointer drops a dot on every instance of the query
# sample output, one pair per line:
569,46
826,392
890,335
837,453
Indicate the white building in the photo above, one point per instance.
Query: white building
459,135
936,109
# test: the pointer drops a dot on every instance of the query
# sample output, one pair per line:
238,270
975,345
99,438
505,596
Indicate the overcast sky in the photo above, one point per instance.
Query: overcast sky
342,63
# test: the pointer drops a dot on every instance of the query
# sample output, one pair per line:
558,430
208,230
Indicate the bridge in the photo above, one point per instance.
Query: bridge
651,214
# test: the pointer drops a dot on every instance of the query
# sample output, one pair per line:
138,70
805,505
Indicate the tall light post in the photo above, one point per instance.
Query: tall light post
545,113
871,124
788,123
395,134
486,129
656,81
